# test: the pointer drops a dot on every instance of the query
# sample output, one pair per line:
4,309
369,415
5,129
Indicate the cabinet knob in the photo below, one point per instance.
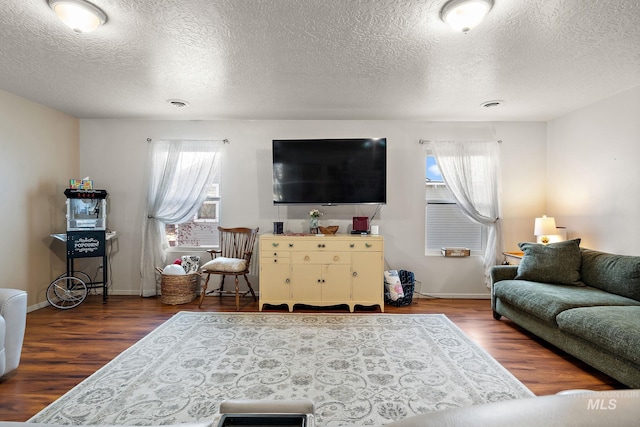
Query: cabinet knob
290,245
354,274
275,244
352,245
368,245
306,258
336,258
287,281
321,245
275,254
275,261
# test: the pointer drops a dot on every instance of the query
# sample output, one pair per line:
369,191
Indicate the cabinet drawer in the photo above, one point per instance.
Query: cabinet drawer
274,260
274,253
276,244
365,244
336,245
321,258
313,245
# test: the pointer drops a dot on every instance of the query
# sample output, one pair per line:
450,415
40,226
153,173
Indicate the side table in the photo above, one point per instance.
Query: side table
513,258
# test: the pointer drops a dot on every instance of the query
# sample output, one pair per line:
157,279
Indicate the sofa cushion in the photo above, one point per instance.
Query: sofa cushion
553,263
619,274
616,329
545,300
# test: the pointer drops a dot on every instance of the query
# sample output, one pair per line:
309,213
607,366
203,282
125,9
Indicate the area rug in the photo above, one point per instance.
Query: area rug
358,369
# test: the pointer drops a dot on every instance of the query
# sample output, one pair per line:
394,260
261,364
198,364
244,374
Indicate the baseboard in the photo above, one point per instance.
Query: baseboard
422,295
43,304
126,292
37,306
454,296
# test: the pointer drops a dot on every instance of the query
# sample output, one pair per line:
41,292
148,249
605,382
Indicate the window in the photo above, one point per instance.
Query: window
202,230
445,223
209,209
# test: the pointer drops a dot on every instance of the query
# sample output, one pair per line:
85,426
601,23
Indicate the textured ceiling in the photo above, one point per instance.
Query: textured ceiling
321,59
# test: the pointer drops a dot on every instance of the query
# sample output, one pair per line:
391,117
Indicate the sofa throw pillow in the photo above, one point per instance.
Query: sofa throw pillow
227,265
190,263
393,284
557,263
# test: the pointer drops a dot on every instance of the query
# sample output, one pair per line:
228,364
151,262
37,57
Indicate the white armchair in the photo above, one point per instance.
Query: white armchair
13,320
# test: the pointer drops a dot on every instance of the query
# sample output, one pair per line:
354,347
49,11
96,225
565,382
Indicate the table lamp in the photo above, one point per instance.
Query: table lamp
544,227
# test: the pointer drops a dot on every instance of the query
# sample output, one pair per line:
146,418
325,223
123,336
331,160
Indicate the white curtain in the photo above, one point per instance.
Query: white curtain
471,171
180,174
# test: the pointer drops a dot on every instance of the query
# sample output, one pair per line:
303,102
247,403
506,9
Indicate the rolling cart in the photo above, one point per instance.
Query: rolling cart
86,237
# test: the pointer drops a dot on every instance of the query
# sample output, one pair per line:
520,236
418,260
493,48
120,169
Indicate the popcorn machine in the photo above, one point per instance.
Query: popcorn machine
86,237
86,225
86,209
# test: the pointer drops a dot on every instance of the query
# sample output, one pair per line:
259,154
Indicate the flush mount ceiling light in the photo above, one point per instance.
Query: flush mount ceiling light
463,15
79,15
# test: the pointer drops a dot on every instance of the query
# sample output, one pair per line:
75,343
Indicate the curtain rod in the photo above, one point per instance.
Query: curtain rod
426,141
224,141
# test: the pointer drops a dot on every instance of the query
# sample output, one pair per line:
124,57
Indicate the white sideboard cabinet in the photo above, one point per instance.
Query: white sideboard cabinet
321,270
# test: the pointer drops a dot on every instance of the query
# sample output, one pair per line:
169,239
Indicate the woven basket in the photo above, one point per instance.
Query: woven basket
407,289
407,280
178,289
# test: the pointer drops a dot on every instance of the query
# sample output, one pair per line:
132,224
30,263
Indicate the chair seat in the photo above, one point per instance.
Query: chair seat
225,265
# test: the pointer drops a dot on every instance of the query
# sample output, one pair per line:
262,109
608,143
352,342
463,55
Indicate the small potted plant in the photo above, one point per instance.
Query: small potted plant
314,214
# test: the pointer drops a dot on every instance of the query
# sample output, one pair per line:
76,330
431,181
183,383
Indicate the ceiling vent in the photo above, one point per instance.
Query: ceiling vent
492,104
178,103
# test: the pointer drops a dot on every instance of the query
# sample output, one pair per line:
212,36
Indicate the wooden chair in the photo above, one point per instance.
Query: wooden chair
233,259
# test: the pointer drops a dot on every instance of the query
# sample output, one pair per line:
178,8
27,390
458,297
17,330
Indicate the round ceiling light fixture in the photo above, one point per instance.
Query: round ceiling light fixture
464,15
493,103
79,15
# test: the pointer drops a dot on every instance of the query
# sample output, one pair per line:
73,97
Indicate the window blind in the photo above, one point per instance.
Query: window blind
447,226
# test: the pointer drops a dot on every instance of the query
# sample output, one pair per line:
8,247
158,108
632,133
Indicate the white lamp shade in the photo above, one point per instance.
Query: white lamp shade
463,15
545,226
79,15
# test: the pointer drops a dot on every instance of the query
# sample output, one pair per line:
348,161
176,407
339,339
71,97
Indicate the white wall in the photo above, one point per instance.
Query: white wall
593,184
113,153
39,153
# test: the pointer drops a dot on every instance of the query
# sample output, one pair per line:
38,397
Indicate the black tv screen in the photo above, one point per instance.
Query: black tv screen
330,171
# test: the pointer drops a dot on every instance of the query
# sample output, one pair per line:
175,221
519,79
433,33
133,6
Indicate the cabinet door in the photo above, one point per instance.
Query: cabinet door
307,282
336,283
367,276
275,283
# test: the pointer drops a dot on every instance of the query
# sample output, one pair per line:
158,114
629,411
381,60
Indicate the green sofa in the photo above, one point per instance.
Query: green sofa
584,302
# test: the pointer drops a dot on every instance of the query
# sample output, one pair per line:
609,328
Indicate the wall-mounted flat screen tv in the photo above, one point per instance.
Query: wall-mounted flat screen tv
330,171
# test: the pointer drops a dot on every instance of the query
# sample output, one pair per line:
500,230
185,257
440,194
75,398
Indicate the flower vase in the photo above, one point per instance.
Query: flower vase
313,225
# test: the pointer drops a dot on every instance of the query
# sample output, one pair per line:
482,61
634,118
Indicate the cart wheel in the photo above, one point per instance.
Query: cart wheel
78,274
66,292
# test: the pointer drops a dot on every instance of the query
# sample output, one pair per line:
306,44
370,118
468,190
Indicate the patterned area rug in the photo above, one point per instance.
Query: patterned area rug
368,369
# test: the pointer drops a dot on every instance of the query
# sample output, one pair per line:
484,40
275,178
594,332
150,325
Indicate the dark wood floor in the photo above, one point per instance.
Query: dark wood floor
62,348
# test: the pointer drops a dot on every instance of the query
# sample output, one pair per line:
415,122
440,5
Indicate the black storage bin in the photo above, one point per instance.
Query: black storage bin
408,282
